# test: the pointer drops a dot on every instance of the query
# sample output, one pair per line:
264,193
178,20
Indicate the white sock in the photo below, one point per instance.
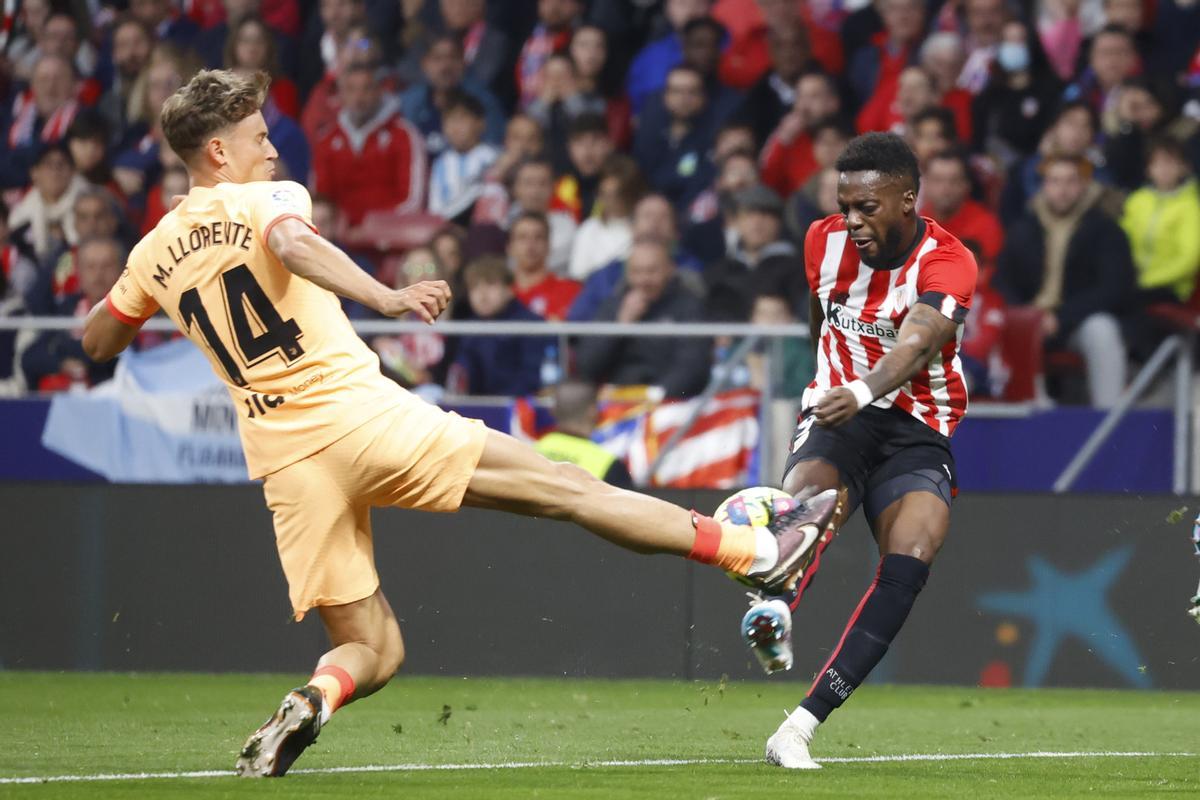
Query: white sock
803,719
766,550
326,711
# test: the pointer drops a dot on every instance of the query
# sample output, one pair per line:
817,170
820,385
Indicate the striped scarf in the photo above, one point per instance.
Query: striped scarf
25,121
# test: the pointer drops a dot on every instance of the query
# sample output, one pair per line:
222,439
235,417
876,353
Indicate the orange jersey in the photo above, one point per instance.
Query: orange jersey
299,376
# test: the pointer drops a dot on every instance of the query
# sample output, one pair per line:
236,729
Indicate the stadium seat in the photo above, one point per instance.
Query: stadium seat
1022,346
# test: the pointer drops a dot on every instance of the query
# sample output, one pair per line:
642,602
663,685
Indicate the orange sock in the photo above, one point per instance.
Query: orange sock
336,687
730,547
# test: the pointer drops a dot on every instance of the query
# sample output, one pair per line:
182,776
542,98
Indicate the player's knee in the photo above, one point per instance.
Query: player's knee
807,474
918,541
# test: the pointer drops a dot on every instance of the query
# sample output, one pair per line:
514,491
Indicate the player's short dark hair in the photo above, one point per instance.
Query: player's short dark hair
487,269
944,118
885,153
211,101
586,124
458,100
702,23
534,216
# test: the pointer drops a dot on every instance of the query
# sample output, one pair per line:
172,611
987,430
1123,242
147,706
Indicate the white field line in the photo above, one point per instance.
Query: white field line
651,762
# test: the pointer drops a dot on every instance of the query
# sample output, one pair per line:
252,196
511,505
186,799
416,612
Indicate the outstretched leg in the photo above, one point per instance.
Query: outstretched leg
910,531
511,476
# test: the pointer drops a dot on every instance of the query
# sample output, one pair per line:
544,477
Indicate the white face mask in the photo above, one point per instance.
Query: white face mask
1013,56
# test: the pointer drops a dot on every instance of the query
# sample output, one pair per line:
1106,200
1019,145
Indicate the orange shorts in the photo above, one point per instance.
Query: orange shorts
412,456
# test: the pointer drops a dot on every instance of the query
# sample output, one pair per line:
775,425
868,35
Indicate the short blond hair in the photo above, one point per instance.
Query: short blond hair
210,102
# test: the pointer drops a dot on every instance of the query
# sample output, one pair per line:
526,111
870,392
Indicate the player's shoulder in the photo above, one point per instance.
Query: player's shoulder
831,224
273,190
947,245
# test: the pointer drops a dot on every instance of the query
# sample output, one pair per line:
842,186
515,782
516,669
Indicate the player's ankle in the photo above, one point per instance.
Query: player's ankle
805,721
336,687
734,548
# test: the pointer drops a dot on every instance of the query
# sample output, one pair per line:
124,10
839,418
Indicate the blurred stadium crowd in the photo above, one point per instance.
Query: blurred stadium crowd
632,160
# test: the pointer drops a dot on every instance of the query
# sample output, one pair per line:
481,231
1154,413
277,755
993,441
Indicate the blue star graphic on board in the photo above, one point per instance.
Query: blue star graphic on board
1062,605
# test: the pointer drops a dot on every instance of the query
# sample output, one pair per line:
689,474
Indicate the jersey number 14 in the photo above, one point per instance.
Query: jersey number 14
241,290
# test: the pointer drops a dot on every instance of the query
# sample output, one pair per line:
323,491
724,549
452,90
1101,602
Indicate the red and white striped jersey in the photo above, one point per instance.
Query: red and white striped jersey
864,308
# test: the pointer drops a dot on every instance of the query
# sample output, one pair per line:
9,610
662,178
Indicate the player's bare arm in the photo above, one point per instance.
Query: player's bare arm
313,257
924,332
105,336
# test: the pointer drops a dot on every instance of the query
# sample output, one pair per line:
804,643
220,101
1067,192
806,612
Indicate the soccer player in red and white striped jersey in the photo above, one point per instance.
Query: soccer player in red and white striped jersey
890,290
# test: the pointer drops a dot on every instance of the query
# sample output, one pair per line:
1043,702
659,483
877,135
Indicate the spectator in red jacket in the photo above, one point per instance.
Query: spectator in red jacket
787,157
373,159
946,196
539,289
915,92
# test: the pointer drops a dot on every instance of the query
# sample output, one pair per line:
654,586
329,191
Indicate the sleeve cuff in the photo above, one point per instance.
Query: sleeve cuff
946,305
120,315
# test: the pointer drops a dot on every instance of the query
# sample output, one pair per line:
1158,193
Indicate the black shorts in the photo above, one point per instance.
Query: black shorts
881,455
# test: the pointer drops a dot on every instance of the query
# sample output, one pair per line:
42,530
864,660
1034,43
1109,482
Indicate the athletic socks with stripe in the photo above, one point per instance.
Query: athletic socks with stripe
870,631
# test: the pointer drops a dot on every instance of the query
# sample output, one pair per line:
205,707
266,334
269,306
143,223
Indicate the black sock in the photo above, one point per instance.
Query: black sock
871,629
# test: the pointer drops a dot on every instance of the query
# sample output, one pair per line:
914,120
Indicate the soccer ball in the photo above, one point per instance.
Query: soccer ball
757,506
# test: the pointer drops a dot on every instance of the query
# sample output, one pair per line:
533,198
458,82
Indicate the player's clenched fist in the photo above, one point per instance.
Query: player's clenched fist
426,299
838,406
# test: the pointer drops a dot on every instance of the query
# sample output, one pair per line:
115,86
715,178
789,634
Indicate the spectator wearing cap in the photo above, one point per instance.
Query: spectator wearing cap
444,72
607,235
648,71
540,290
588,146
40,114
552,34
946,197
674,157
788,158
43,221
374,159
770,99
496,364
759,254
1068,258
458,174
651,293
132,41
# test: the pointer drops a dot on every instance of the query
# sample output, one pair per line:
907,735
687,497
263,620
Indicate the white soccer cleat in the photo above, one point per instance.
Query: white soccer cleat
788,747
767,629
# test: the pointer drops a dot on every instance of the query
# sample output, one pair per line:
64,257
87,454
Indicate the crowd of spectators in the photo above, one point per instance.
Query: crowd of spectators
626,160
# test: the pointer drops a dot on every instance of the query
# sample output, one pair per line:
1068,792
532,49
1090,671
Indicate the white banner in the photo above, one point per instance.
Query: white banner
163,418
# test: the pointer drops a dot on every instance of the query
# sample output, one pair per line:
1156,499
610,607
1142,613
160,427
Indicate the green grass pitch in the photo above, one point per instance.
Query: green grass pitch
86,724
